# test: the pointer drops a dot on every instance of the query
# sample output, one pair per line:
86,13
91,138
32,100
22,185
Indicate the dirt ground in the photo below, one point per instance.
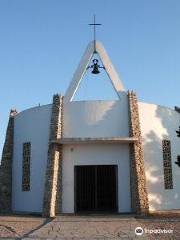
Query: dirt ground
89,227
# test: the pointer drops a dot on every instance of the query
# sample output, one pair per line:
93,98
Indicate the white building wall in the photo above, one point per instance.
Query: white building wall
96,154
158,123
96,118
31,125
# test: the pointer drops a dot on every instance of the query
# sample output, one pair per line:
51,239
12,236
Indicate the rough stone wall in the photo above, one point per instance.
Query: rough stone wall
139,197
58,207
167,164
53,180
6,166
26,167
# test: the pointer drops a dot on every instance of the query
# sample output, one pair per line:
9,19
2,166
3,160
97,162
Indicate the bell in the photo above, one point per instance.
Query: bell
178,132
95,67
178,161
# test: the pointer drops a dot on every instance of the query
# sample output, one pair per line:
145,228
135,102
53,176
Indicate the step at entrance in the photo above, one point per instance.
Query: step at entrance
96,188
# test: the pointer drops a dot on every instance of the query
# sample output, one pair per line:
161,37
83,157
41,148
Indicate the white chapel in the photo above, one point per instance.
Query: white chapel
107,156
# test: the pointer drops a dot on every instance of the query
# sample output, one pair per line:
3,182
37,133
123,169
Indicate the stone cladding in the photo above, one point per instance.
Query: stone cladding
139,196
6,166
52,203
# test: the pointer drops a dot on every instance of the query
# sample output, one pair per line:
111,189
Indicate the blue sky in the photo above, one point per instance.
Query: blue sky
42,41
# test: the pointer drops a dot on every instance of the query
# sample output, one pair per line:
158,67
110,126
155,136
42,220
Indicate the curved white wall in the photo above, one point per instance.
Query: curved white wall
158,123
96,154
96,118
31,125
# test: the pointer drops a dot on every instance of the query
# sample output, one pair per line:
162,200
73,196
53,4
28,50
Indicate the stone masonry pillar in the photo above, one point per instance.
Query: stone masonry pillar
139,196
6,166
53,178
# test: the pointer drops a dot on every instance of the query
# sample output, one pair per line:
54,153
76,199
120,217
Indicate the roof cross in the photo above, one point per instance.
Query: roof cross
95,24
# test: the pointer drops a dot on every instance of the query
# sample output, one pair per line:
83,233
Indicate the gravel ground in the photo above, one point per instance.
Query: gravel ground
12,227
88,227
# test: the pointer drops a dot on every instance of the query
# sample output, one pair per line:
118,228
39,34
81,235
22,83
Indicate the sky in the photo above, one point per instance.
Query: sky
42,41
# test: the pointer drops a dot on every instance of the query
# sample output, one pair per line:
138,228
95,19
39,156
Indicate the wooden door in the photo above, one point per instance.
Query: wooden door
96,188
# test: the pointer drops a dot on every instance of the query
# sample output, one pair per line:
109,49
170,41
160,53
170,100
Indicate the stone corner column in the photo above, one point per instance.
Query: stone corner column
139,195
6,166
52,202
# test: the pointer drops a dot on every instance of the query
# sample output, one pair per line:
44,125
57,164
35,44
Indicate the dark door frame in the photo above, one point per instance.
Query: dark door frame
75,184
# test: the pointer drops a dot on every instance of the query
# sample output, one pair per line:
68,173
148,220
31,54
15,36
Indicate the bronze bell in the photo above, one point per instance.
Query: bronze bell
178,161
178,132
95,67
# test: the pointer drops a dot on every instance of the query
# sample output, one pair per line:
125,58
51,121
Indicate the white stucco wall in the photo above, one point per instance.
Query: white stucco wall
31,125
96,154
158,123
96,118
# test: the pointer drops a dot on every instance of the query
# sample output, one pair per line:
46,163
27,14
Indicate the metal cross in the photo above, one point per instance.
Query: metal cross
95,24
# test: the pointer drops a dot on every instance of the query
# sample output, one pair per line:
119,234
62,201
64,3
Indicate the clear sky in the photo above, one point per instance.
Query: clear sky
42,41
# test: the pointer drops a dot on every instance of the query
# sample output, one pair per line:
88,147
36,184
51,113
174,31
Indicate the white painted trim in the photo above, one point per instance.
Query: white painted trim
78,75
95,140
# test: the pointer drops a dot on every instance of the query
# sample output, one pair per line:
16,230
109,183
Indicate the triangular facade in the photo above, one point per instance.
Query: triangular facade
83,65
